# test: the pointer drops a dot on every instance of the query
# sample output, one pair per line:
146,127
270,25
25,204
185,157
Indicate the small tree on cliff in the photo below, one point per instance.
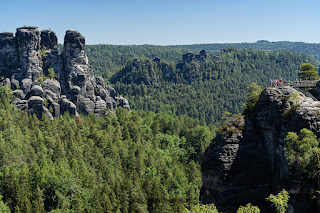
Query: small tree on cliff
303,149
308,72
254,94
280,201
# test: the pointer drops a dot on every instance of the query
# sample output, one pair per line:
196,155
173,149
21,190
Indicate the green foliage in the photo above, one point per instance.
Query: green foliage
3,206
299,47
254,94
41,80
200,208
51,73
233,125
43,52
303,150
308,72
248,209
280,201
6,96
203,90
131,162
107,59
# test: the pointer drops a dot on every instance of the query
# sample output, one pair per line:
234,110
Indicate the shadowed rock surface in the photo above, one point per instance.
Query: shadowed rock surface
246,162
39,75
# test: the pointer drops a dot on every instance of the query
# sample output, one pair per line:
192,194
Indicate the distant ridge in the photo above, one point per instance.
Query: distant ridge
299,47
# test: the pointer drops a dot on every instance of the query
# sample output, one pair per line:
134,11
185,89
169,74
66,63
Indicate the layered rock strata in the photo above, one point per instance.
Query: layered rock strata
46,82
246,162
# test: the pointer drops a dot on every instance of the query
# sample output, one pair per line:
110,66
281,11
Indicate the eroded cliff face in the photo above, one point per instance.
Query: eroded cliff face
246,162
28,57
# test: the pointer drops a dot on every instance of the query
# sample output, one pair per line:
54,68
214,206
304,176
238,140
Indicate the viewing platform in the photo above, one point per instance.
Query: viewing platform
304,84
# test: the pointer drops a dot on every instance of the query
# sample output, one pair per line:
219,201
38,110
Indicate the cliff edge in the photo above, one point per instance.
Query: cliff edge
246,162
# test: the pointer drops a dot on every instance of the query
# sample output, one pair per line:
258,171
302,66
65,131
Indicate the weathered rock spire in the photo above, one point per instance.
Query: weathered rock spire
42,79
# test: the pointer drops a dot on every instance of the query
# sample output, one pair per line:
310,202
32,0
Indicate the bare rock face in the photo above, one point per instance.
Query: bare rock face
48,83
76,66
247,162
28,48
50,53
9,62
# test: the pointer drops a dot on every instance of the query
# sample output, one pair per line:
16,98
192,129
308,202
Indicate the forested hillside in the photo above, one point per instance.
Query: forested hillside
299,47
107,58
204,90
130,162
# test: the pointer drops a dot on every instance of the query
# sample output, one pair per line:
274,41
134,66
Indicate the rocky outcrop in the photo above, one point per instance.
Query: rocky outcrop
190,56
28,48
246,162
9,62
45,82
50,54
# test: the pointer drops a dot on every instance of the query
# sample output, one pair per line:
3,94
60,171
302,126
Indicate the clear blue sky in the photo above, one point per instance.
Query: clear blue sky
166,22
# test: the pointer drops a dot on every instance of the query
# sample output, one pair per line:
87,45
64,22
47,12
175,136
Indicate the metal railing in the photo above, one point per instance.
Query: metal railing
304,84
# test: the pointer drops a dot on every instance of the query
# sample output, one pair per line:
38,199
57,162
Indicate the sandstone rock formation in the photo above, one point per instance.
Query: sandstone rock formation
190,56
246,162
45,82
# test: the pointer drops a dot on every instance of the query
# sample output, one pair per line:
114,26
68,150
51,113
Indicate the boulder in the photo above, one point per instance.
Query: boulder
102,92
19,94
67,106
124,103
35,101
20,104
100,107
35,105
111,103
14,84
26,85
74,91
52,85
36,91
49,93
100,81
112,91
85,105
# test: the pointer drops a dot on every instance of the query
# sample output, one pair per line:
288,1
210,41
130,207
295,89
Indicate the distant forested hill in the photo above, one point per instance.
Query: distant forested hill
299,47
107,58
204,90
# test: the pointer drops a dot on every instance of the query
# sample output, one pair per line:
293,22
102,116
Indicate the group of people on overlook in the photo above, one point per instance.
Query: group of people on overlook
277,83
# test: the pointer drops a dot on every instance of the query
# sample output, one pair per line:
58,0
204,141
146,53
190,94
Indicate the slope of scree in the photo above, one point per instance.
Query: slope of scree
246,162
42,79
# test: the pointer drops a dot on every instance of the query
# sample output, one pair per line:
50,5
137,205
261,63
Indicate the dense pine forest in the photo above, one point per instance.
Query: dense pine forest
127,162
107,58
204,90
